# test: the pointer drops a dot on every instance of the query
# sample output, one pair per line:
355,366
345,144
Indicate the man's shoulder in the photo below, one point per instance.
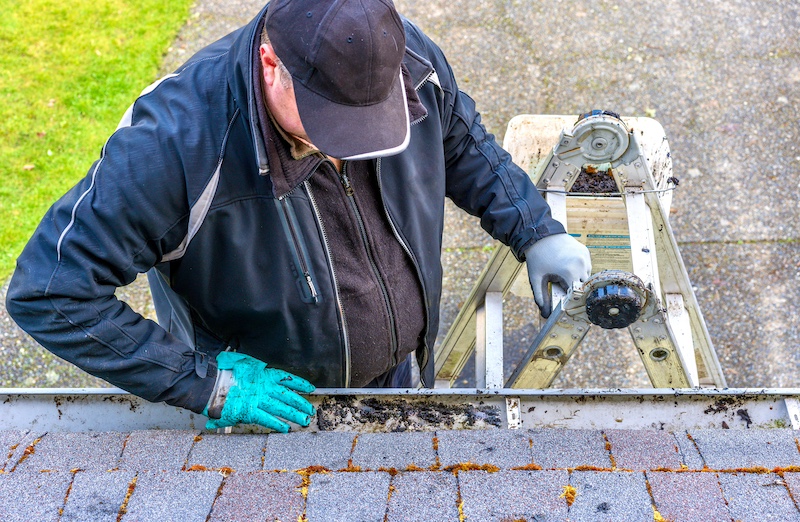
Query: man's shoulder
217,53
423,55
416,39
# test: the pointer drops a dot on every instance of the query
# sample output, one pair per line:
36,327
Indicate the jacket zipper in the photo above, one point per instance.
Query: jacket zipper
294,237
348,188
343,323
417,88
426,351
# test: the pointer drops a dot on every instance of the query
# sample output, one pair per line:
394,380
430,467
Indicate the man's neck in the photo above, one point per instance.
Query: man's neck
336,161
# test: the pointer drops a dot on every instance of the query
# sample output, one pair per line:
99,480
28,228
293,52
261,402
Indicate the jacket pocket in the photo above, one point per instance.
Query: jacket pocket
291,228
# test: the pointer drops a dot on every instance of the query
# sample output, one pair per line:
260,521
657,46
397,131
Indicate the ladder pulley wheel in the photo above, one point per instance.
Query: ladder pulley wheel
614,306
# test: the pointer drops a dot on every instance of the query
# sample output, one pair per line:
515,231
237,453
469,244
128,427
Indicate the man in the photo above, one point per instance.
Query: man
285,190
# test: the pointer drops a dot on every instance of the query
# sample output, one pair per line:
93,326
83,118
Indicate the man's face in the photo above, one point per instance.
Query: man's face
279,94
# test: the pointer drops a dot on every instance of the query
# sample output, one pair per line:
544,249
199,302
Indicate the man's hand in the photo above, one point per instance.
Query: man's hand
559,259
259,395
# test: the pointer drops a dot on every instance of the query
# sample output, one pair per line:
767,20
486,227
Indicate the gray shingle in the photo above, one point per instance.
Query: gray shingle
10,440
394,450
173,496
513,495
761,497
238,452
502,448
423,496
792,480
688,496
292,451
96,496
157,450
557,448
32,496
19,450
259,495
604,495
348,497
691,457
644,449
734,449
68,451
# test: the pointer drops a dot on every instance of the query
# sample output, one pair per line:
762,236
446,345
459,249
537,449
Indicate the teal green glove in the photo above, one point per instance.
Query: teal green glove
259,395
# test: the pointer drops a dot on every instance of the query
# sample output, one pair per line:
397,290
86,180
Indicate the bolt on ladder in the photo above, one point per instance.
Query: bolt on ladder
639,280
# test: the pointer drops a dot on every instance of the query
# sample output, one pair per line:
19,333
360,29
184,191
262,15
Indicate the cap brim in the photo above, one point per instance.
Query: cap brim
356,132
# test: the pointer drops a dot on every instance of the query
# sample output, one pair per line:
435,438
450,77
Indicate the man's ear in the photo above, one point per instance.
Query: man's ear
269,64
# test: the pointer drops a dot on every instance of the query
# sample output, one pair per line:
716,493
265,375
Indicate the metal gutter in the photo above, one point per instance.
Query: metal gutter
380,410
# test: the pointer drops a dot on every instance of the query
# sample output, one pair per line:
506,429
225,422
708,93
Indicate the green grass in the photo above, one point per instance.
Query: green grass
68,71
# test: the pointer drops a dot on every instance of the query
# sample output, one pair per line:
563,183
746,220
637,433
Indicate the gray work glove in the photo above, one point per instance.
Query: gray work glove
559,259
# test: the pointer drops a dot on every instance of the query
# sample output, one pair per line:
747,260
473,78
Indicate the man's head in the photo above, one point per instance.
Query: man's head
346,92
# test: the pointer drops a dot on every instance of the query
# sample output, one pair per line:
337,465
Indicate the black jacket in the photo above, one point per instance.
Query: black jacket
184,184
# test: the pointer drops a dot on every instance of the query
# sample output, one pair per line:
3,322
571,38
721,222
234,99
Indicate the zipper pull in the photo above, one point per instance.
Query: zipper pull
311,287
348,188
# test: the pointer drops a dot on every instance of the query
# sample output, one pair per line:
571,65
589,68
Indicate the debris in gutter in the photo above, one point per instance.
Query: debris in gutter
343,413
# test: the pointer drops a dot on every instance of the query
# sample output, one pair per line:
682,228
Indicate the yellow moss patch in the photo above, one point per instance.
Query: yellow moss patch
590,468
124,508
350,466
30,450
610,455
197,467
756,469
313,469
471,466
11,451
529,467
657,516
306,473
569,494
414,467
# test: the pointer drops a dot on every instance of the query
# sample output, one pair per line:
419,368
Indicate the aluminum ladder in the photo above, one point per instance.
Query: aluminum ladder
639,280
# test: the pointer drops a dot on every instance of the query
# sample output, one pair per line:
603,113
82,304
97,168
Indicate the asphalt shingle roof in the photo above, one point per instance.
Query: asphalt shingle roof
491,474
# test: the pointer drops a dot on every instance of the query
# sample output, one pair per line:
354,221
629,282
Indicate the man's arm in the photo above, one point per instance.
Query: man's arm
130,209
481,178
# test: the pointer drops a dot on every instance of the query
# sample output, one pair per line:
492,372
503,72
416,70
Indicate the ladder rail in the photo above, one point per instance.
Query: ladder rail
655,256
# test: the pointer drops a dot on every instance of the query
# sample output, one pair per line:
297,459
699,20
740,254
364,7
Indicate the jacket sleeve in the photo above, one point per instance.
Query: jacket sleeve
117,222
481,178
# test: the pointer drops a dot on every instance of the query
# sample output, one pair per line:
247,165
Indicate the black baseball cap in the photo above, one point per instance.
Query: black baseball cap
344,57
